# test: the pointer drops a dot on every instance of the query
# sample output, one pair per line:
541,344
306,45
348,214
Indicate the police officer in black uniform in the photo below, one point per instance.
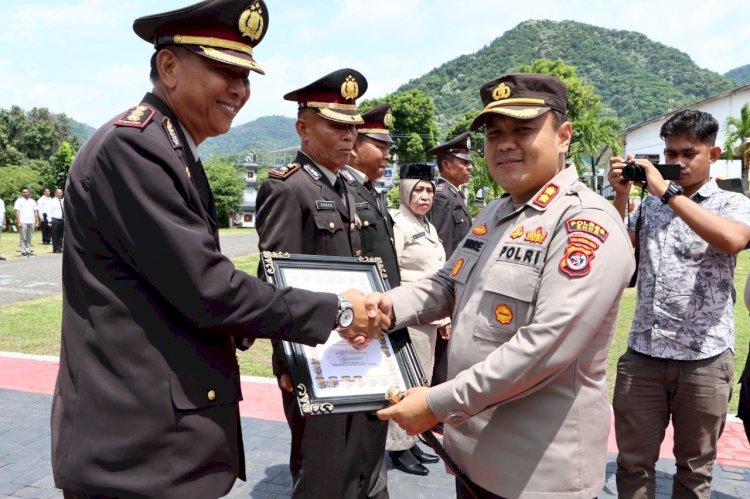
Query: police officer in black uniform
306,207
450,215
367,163
146,400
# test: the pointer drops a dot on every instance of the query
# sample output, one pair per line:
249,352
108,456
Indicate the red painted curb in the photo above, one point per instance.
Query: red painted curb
263,401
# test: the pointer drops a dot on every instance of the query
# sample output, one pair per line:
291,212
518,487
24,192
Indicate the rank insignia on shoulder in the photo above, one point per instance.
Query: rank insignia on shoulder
586,226
440,188
315,174
283,171
171,132
547,195
137,117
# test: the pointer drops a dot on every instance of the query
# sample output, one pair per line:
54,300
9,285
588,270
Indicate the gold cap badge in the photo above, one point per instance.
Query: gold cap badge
251,22
502,91
350,88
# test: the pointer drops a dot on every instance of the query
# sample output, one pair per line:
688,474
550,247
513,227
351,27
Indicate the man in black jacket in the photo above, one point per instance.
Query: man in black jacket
146,401
307,207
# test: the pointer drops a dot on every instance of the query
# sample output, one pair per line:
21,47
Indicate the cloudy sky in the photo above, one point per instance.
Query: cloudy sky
82,58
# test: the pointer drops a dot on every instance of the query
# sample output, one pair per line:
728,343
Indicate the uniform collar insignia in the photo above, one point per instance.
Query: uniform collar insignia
312,171
171,131
347,176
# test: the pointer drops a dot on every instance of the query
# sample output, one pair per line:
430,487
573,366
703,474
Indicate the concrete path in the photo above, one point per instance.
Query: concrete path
26,383
41,276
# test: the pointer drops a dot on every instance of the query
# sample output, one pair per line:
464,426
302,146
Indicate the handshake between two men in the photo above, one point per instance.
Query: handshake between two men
372,314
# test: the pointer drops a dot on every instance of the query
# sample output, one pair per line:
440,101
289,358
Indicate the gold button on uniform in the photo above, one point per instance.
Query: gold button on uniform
211,395
366,224
332,225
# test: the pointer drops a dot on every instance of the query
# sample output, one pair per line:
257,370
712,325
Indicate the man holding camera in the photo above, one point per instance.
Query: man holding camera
680,361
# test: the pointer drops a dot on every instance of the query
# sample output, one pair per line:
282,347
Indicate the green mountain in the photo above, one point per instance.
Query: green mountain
80,130
741,74
635,76
266,133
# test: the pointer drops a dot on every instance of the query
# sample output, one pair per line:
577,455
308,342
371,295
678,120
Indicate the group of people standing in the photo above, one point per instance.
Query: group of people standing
46,213
146,403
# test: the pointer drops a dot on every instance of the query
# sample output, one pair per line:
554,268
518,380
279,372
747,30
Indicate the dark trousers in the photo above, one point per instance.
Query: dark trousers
335,455
45,230
58,226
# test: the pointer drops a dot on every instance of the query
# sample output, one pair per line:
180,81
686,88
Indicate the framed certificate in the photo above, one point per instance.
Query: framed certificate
334,377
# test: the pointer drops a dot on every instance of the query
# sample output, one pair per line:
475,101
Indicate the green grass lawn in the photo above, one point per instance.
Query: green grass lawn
9,245
33,327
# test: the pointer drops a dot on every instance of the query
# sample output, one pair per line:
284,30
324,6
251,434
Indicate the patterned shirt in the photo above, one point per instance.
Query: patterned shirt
686,291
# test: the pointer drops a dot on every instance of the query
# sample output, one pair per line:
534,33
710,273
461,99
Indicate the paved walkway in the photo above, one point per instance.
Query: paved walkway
26,384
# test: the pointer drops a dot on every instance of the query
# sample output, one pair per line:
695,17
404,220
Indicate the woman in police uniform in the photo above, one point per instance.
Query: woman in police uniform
420,254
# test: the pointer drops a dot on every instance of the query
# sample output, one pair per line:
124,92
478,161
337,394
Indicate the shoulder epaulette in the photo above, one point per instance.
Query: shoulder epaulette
283,171
441,187
137,117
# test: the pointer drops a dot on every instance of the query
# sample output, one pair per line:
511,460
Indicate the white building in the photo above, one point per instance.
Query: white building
245,214
643,138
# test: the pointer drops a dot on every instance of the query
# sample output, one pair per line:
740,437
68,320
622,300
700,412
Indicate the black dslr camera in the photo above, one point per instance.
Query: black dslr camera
636,173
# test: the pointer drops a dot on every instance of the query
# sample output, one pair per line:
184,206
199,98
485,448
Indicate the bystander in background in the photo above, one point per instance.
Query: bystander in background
679,364
27,219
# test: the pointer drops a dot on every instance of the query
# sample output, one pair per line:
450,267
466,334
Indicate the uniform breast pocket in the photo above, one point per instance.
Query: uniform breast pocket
459,217
506,302
328,221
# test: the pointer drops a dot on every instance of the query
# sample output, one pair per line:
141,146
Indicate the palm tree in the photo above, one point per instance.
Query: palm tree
593,132
738,130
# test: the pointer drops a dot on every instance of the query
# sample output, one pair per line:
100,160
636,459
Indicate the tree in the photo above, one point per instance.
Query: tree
60,163
738,130
227,184
12,179
596,131
413,131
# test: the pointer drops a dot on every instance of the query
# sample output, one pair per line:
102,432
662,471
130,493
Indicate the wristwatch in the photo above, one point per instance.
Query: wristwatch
345,316
672,190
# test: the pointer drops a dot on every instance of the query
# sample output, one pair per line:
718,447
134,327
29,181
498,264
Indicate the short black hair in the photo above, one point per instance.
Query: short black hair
154,74
24,188
695,124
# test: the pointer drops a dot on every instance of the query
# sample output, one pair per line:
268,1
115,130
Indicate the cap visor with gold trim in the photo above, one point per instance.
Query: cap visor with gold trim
222,30
523,96
458,146
377,123
334,96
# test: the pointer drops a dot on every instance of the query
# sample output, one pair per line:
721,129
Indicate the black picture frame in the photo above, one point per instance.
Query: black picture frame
317,394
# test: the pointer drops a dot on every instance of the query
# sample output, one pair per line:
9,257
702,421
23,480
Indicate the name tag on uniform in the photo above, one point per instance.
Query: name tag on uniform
363,206
322,204
417,236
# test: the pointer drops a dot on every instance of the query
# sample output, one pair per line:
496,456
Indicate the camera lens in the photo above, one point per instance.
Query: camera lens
633,173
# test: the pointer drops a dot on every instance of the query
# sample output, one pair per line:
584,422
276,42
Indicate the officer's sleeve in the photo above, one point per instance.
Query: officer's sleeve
279,224
151,216
576,304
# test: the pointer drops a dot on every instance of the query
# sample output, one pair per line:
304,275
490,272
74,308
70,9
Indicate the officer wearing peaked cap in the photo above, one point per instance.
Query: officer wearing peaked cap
450,216
307,207
146,400
533,291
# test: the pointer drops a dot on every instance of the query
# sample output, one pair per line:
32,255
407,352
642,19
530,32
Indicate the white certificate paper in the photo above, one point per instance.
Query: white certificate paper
337,368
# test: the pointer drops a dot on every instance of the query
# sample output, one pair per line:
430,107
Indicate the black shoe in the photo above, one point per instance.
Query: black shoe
422,456
56,251
405,461
2,258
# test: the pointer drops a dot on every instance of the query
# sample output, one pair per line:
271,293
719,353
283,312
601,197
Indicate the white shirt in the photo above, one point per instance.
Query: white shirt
2,212
54,208
43,204
26,208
